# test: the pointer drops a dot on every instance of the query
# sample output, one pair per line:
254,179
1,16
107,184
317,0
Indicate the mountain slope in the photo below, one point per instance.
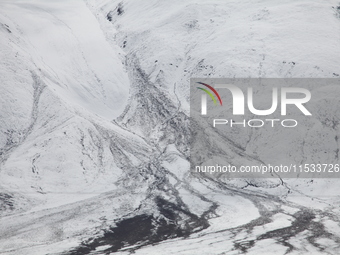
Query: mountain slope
95,130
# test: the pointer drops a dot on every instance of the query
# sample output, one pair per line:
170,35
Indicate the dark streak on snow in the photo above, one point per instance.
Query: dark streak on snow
145,229
304,221
6,202
119,10
6,27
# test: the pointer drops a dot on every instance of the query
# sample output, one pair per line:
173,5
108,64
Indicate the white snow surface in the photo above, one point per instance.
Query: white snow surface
86,92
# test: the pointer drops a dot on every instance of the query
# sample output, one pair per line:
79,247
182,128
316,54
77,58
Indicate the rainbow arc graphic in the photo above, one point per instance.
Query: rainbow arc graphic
209,93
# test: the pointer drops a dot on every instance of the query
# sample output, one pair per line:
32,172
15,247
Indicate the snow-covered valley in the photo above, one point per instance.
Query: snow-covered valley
95,127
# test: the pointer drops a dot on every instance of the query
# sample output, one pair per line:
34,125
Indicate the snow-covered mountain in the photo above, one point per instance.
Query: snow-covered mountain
95,127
